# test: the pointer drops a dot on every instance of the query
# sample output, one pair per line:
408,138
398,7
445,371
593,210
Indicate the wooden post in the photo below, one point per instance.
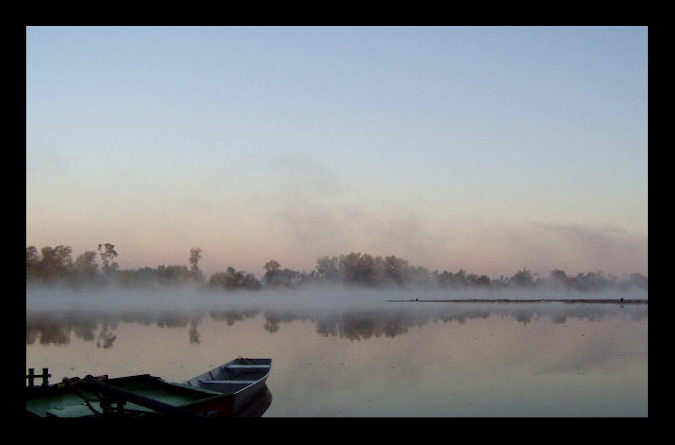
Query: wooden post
45,376
31,377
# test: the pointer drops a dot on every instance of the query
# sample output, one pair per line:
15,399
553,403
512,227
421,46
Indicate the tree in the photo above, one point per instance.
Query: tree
135,278
478,281
85,267
639,280
523,278
455,281
283,277
271,270
233,279
108,254
173,275
559,277
327,268
394,269
55,263
272,266
250,281
417,276
195,256
361,269
32,259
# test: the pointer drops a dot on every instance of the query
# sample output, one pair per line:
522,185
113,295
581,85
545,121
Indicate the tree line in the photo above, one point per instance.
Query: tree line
52,265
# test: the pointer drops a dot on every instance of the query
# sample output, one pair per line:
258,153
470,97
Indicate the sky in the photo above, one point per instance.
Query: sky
483,148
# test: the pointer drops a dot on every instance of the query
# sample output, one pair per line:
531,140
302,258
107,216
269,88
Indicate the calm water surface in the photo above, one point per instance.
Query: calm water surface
396,359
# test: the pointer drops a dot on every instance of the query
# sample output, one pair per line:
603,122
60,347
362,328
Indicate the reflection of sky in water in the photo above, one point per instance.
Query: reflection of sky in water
398,359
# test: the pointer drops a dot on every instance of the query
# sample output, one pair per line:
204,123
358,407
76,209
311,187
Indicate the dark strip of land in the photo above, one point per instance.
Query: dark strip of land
541,300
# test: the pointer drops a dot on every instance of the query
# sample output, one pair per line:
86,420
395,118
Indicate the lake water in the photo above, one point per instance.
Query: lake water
376,359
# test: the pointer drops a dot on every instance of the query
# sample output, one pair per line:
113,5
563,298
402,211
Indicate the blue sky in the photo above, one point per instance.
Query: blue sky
452,147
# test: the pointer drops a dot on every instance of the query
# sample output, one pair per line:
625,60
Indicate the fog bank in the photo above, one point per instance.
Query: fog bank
323,299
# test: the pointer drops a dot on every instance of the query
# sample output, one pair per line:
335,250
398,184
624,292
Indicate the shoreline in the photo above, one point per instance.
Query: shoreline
537,300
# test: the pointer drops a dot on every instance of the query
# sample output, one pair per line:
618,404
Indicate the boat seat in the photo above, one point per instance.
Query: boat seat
249,366
227,382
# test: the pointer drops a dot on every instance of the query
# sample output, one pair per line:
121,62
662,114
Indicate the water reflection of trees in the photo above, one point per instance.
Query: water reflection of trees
56,328
362,325
193,332
106,338
231,316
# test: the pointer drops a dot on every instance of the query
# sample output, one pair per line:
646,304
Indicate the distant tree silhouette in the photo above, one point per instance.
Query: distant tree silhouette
232,279
394,269
195,256
54,264
478,281
417,276
283,278
523,278
639,280
327,269
173,275
108,254
85,268
271,271
359,269
32,260
137,278
272,266
559,277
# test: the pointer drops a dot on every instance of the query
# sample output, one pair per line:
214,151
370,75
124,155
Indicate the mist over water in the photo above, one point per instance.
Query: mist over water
338,311
359,355
319,299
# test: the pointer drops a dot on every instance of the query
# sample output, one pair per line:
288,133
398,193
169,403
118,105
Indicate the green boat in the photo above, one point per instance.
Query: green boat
133,396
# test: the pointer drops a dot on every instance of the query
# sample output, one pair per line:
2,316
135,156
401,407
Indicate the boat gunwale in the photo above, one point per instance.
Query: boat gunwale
208,375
